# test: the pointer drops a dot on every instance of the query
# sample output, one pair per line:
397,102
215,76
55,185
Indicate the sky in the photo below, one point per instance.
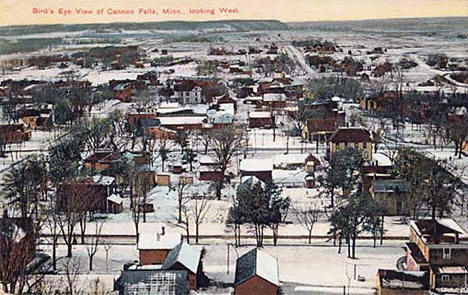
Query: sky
20,12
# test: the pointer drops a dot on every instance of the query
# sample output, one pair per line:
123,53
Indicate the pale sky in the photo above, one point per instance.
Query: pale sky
16,12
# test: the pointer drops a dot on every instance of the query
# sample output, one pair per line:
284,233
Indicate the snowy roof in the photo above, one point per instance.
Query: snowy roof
274,97
289,159
260,115
450,269
428,228
184,254
257,263
114,198
155,281
151,241
256,165
181,120
169,105
395,279
254,98
381,159
206,160
104,180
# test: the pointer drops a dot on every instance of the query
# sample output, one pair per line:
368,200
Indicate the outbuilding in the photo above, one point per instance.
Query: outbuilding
256,273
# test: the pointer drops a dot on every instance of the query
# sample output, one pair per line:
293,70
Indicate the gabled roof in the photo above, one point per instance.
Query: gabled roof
184,254
151,241
440,226
114,198
352,134
154,281
257,263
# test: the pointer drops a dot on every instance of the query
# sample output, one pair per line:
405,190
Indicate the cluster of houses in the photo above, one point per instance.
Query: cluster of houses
169,265
436,261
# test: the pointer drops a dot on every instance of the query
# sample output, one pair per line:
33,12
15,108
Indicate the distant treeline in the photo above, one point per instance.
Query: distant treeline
235,25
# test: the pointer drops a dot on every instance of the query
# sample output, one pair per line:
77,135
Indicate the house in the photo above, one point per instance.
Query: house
436,242
261,119
92,194
101,160
124,92
352,137
395,282
209,169
321,124
185,257
132,118
393,195
158,132
144,126
183,123
140,280
260,168
449,278
154,248
14,133
191,91
36,118
274,100
256,273
163,179
152,78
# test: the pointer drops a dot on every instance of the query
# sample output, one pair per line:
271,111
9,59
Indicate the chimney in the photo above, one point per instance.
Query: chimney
163,230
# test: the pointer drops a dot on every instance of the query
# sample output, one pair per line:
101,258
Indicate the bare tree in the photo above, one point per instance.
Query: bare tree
226,144
307,217
198,207
74,200
185,220
205,138
51,224
180,187
94,241
139,190
71,268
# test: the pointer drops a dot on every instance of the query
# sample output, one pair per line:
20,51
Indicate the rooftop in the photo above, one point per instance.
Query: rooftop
256,165
395,279
259,115
353,134
257,263
184,254
151,241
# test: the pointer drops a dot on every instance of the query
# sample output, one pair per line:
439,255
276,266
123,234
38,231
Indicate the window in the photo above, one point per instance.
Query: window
447,254
445,278
364,145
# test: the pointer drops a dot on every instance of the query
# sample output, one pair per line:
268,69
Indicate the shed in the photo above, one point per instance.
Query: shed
256,273
185,257
262,169
163,179
154,248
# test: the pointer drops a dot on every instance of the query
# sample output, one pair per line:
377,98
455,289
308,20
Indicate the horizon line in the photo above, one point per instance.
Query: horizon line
241,20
